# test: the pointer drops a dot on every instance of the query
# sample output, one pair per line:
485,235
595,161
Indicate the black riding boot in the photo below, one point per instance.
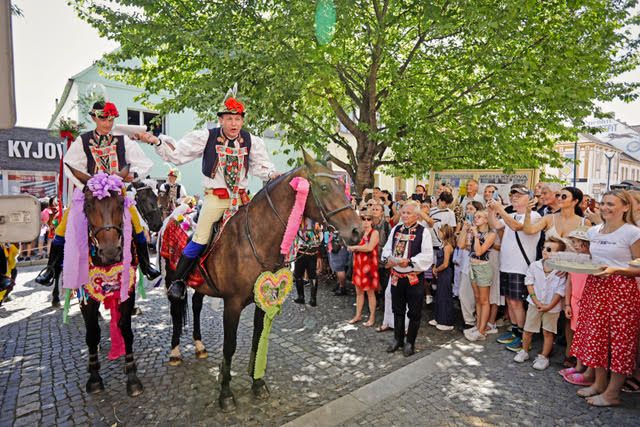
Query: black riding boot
412,333
94,384
314,292
300,290
134,385
143,262
47,275
178,288
398,332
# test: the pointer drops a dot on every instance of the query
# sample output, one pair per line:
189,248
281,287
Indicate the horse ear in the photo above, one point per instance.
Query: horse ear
309,161
124,172
80,176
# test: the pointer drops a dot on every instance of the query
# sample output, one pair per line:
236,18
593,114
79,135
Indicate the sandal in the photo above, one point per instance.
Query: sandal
383,328
577,379
599,401
568,371
631,385
353,321
368,324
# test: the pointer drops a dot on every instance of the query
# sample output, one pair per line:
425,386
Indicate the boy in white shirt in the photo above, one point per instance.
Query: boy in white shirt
546,291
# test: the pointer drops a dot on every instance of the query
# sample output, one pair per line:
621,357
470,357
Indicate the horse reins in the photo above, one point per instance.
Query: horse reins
324,215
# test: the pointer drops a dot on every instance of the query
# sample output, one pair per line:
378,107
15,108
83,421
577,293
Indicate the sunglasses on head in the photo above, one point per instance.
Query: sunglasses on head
365,218
562,196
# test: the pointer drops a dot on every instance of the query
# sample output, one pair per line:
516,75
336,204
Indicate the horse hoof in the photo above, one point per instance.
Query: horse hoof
175,361
134,387
227,404
137,311
201,354
260,389
94,387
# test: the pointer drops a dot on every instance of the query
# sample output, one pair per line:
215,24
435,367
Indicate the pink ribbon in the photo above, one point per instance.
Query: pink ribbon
301,187
117,341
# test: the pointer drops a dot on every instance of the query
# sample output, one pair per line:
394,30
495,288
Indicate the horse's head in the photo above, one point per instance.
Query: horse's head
147,204
104,214
329,203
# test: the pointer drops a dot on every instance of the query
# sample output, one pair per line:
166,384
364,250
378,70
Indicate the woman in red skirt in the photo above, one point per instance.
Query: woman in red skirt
607,335
365,270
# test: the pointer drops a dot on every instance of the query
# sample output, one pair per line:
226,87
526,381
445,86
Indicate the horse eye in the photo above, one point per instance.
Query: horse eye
324,187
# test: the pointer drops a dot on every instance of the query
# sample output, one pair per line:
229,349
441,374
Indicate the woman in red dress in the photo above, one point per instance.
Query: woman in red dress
365,270
607,335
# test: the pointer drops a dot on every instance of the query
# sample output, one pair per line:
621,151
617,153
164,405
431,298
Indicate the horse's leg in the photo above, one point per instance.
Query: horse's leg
196,301
231,318
259,386
92,338
134,385
177,320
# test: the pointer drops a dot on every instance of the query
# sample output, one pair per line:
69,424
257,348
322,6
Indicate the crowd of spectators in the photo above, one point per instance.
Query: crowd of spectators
482,263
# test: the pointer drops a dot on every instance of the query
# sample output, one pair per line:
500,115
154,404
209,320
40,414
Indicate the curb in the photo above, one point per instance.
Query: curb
349,406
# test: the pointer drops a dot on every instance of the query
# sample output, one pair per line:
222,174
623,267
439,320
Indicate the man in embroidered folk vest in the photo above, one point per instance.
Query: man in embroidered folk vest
175,191
101,151
408,253
229,154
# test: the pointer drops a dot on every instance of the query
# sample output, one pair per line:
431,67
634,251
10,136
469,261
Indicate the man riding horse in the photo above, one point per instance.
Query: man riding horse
229,154
101,151
175,192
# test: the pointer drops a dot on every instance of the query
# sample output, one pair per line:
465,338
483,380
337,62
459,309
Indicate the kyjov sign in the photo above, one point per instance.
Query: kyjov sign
29,149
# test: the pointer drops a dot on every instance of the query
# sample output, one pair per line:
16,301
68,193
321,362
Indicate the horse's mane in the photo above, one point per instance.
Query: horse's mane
261,194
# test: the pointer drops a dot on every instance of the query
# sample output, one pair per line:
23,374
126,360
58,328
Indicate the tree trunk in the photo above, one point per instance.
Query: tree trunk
364,175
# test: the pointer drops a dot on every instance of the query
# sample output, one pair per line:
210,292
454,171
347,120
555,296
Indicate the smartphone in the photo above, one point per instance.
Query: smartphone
495,196
531,195
469,218
592,204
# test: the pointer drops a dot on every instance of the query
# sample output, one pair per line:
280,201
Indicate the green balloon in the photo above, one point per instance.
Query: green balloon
325,21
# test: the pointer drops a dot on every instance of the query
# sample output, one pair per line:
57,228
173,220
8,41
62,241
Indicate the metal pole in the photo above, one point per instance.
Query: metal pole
575,162
609,158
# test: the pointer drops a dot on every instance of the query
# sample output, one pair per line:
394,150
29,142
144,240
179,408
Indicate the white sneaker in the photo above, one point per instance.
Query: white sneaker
475,335
444,327
491,329
541,363
521,356
428,299
433,322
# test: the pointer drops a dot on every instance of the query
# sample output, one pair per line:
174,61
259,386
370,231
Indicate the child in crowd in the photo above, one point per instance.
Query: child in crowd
443,275
546,291
579,240
481,273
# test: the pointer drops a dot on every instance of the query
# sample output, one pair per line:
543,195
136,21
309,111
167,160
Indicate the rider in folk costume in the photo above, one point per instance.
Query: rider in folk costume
408,253
101,151
229,155
174,191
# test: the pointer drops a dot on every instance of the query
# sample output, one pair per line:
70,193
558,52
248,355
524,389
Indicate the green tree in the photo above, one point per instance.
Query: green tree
419,84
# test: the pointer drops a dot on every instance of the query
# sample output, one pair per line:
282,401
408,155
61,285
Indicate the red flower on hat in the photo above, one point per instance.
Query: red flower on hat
110,110
234,105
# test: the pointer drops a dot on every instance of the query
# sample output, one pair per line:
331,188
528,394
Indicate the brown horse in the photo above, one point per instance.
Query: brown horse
249,245
105,221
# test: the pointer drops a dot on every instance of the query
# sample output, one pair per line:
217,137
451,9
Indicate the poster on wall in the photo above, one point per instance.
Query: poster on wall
457,179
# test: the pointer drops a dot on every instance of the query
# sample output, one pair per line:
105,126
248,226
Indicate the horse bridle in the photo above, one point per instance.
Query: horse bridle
324,215
93,233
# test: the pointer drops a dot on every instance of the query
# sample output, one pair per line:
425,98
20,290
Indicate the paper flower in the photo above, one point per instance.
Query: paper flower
101,185
234,105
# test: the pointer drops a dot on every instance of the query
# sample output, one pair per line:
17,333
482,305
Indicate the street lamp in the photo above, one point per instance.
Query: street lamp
609,155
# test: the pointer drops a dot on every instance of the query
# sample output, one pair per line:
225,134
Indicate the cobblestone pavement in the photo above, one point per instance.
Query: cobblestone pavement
481,385
314,358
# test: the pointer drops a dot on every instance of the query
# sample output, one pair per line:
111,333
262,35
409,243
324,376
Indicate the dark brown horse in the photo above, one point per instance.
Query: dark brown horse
249,245
147,203
105,221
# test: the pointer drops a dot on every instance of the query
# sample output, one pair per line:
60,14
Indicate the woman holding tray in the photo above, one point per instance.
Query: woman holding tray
607,335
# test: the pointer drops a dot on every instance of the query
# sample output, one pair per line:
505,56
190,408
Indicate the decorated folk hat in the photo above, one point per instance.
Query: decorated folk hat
104,110
231,105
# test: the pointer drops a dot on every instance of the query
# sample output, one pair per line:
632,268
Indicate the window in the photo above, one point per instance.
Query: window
153,121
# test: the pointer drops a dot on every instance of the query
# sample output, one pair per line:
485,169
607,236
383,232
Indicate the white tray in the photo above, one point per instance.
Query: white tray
635,263
573,267
128,130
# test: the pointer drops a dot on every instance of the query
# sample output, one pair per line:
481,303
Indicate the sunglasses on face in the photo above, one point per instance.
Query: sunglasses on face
547,249
366,218
562,196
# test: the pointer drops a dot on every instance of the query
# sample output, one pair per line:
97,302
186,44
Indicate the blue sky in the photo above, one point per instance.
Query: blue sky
52,44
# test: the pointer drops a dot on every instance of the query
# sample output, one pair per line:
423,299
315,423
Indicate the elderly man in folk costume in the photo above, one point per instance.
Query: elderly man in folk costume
101,151
408,253
229,154
174,191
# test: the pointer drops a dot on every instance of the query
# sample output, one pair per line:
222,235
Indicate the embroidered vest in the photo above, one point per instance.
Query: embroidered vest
415,245
210,156
92,165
